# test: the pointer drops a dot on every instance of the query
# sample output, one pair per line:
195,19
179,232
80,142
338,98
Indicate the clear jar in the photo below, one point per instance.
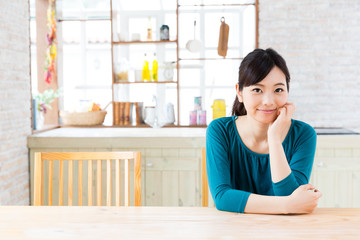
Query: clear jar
122,71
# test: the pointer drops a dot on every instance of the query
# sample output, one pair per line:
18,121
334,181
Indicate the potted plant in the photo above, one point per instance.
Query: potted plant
42,104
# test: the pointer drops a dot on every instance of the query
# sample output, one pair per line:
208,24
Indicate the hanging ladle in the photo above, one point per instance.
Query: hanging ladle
193,45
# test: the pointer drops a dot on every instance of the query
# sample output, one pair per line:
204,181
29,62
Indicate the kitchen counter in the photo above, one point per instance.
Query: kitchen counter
124,132
129,137
171,161
118,137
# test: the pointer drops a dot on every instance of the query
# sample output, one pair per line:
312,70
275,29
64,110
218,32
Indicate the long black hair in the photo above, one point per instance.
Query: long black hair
254,68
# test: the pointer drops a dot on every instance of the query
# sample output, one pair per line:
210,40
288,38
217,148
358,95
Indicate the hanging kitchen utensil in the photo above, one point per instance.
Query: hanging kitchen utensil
223,38
193,45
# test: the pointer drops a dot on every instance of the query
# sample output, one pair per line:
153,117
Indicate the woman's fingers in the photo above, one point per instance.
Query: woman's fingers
318,194
308,187
290,108
282,111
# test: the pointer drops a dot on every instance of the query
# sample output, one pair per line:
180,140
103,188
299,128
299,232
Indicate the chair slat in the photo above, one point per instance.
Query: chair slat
50,182
117,182
90,182
98,181
108,183
80,182
137,174
61,182
42,180
37,179
70,183
126,183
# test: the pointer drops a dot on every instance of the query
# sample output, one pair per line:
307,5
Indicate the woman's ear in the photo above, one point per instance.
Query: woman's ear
238,93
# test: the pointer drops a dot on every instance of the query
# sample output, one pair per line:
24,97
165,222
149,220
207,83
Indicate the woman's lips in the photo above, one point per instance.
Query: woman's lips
267,111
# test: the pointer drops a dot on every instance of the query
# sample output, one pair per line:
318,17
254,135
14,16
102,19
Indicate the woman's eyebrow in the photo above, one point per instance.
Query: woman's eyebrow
262,85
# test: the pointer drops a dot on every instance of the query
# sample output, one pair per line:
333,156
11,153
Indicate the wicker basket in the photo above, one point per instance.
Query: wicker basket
83,118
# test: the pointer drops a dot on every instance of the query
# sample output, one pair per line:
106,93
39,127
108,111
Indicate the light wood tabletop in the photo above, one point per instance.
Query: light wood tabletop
30,222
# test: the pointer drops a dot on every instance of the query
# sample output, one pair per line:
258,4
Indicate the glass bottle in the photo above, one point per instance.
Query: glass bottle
155,69
149,30
146,70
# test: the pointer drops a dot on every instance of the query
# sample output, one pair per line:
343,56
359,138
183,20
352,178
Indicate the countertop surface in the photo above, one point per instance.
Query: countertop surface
123,132
155,132
29,222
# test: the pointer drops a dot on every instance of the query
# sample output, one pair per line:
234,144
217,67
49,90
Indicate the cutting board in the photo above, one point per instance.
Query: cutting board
223,38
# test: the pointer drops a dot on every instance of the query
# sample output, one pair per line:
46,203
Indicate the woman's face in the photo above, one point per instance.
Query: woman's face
262,100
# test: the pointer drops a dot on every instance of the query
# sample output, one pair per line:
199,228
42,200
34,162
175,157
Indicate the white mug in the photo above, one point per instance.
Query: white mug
135,37
122,37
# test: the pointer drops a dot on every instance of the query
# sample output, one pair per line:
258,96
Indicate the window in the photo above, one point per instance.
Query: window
84,51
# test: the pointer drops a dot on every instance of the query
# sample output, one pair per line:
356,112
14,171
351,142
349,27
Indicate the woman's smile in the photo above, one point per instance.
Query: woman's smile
267,111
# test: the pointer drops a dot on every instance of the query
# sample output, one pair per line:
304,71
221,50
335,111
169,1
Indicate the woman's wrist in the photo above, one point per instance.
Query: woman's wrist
286,205
273,141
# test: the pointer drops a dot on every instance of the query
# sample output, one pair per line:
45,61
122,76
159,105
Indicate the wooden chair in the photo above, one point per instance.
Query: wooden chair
204,180
100,157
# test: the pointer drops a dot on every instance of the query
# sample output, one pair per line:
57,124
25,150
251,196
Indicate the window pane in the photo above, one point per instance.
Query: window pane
71,32
248,24
83,9
221,72
98,65
191,73
98,31
73,68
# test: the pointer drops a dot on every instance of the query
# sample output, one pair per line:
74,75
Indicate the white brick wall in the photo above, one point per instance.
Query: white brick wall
320,40
15,123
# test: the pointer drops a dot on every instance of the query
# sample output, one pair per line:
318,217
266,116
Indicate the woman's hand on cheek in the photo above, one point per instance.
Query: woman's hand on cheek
279,128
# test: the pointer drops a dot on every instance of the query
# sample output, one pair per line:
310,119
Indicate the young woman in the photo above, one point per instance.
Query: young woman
260,160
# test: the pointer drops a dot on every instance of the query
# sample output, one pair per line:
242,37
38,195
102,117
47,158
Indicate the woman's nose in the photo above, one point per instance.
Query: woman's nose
268,99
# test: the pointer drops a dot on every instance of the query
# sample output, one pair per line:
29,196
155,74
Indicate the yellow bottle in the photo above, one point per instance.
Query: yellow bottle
219,108
155,69
146,70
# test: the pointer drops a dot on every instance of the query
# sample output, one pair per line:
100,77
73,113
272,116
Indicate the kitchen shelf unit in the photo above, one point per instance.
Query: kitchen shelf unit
156,42
176,41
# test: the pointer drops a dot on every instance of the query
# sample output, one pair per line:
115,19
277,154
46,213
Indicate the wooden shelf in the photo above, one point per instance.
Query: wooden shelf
161,82
143,42
203,59
218,5
82,20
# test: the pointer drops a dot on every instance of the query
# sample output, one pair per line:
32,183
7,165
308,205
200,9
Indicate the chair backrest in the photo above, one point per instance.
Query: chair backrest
204,180
99,157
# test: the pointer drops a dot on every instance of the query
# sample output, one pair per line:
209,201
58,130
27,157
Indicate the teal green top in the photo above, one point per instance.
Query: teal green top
234,171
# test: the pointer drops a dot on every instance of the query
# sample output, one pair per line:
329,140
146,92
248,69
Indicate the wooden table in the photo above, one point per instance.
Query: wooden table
28,222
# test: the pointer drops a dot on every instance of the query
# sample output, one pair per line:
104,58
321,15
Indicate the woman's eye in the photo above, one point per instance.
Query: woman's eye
257,90
279,90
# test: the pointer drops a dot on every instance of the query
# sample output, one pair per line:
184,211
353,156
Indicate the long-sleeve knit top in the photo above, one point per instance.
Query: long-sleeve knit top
234,171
